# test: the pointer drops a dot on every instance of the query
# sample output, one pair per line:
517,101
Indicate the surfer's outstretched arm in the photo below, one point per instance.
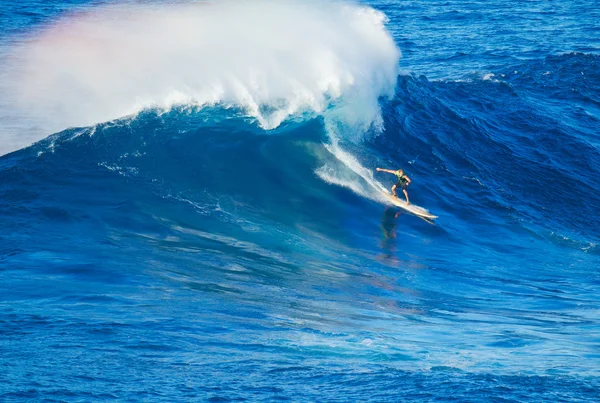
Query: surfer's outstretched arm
386,170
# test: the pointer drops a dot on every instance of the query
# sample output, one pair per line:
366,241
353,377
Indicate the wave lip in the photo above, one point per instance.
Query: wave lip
273,60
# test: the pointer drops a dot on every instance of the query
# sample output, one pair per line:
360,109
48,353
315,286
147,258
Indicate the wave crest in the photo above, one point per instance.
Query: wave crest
273,60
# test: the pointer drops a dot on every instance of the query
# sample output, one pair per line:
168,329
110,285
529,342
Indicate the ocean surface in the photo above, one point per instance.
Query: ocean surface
189,208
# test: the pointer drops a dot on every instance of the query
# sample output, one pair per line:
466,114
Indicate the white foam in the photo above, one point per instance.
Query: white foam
272,59
350,173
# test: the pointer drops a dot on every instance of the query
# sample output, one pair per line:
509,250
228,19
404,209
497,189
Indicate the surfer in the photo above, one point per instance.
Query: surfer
403,181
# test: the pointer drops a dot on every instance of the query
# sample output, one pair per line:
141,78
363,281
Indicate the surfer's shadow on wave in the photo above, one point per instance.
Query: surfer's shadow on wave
389,240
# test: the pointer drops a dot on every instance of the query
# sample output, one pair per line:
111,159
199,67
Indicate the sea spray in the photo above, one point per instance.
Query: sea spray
269,60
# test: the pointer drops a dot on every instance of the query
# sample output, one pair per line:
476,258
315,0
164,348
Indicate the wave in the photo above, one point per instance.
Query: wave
178,169
271,60
211,234
462,140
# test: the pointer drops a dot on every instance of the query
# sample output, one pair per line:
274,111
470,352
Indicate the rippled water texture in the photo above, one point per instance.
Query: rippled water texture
199,217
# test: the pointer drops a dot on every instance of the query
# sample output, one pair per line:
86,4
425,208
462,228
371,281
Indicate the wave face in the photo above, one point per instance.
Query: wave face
228,242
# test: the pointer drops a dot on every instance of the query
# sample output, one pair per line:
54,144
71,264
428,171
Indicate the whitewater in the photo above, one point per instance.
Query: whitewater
272,60
189,207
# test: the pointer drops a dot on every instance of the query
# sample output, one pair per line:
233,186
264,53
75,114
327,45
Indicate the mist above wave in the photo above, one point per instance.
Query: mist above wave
271,60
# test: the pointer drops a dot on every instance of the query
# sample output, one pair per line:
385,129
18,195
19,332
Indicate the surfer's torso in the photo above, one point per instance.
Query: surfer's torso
402,181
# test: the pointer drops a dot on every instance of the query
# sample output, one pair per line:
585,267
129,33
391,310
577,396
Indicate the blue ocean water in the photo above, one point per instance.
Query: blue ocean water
216,253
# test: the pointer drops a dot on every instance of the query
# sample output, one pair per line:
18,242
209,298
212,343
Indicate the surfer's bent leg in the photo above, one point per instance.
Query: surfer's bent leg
394,190
406,194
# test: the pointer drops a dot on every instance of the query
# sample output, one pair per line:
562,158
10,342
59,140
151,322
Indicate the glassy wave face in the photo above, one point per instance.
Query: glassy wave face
206,222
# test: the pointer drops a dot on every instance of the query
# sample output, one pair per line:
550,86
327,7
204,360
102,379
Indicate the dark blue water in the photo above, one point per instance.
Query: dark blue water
194,256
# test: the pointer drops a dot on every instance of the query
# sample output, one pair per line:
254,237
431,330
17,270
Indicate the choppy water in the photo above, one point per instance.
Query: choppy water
217,238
